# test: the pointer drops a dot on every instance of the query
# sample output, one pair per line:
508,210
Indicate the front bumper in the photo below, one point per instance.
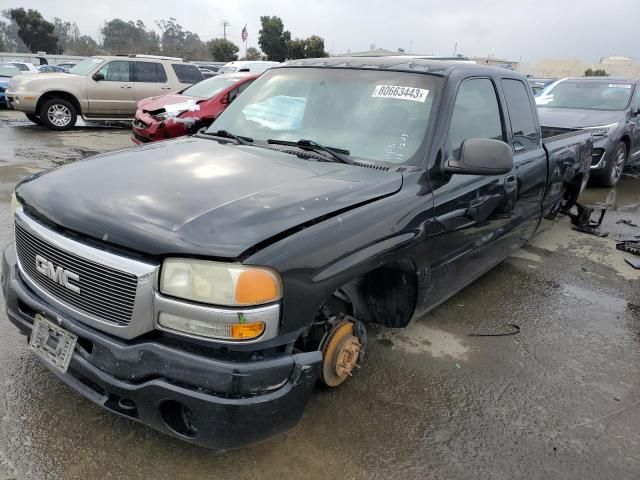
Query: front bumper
148,129
213,403
23,101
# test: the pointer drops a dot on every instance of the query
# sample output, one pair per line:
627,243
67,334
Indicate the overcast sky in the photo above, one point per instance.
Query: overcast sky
513,29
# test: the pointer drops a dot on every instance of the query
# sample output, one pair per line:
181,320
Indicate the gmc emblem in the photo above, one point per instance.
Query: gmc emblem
57,274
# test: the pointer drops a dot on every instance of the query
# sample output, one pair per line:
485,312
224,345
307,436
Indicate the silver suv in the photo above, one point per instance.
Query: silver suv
98,88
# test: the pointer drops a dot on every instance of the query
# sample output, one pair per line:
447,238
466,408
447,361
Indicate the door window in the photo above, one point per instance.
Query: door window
117,71
523,124
476,114
149,72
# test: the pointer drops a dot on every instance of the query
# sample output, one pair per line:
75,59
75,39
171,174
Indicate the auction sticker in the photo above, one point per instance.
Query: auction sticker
619,85
402,93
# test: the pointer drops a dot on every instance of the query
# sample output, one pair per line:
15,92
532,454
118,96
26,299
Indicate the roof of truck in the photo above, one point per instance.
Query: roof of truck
441,67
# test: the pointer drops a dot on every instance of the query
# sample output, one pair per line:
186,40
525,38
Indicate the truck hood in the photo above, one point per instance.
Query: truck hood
196,196
577,118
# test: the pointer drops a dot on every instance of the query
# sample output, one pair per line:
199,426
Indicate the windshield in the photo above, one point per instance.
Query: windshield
375,115
208,88
85,66
587,95
8,71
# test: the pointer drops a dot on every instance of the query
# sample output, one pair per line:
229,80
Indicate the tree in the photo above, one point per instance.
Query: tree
34,30
177,42
223,50
314,47
590,72
129,37
84,46
66,32
253,54
1,42
9,32
273,39
296,49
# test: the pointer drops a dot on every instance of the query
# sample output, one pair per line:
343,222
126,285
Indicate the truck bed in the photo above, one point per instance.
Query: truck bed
569,157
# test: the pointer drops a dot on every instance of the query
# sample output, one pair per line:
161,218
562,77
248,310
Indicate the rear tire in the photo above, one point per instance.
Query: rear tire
34,118
58,114
614,167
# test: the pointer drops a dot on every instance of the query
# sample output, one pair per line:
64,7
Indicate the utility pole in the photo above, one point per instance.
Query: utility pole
224,24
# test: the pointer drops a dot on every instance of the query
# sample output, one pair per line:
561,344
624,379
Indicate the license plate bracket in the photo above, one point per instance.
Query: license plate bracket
52,343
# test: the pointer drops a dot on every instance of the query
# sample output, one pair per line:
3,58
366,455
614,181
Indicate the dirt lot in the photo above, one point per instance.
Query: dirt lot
561,399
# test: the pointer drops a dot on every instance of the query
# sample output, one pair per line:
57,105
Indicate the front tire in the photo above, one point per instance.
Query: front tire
34,118
614,167
58,114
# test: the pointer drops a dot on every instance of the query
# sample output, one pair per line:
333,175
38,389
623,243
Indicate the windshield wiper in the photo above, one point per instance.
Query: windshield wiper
225,134
337,154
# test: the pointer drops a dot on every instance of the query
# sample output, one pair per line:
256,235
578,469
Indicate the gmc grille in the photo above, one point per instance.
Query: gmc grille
105,293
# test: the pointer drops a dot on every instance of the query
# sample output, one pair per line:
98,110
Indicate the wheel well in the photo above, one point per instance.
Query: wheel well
627,143
386,295
571,193
57,94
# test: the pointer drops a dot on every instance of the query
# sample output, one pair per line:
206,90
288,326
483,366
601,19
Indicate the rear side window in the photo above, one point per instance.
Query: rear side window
187,73
523,124
149,72
476,114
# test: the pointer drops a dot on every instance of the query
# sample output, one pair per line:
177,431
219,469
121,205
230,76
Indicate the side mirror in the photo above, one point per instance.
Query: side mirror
225,100
97,76
482,156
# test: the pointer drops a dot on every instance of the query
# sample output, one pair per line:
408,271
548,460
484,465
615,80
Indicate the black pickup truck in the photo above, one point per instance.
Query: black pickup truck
204,286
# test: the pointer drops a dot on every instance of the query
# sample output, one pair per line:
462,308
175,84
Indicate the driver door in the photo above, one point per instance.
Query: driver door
114,95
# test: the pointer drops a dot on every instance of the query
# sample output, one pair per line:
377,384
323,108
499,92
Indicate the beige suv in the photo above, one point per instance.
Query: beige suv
98,88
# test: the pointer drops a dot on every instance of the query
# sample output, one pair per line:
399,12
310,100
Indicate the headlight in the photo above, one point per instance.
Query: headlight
163,116
14,203
602,130
218,283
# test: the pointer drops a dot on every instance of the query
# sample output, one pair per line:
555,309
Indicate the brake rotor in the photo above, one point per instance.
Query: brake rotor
340,353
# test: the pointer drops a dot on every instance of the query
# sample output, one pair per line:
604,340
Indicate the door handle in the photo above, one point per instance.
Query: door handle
125,86
165,88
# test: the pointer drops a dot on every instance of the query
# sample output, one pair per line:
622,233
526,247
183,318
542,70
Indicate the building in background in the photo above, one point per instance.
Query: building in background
615,66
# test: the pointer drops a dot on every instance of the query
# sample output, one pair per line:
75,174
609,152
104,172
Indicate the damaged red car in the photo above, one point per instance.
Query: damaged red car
183,113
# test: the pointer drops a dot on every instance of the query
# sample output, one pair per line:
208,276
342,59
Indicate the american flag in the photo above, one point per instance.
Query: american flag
245,35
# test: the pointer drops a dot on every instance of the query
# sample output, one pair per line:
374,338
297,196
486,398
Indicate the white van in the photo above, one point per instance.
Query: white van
247,66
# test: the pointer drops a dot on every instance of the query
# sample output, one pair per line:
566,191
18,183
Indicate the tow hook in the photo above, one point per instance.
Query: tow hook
342,348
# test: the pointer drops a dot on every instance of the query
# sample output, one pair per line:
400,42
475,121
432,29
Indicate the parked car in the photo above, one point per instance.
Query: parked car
607,107
210,69
6,73
51,69
100,88
25,67
539,84
206,73
66,65
209,282
247,66
183,113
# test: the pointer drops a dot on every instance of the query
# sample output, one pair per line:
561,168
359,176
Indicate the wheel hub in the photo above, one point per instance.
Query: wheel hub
340,352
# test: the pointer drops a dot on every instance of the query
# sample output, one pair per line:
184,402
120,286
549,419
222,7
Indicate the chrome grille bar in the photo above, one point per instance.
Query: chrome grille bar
112,289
